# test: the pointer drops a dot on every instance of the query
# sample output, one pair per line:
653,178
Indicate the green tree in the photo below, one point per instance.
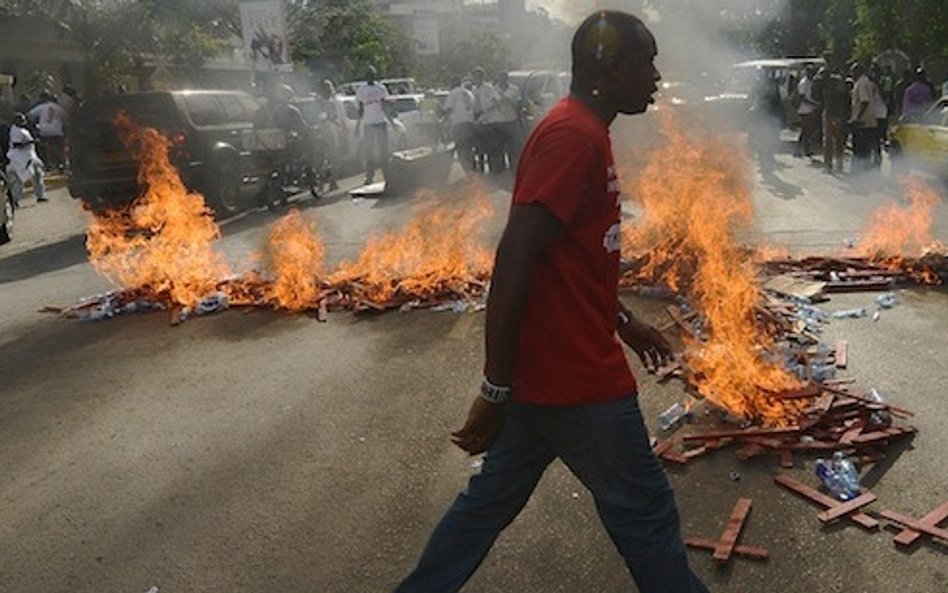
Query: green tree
340,38
479,48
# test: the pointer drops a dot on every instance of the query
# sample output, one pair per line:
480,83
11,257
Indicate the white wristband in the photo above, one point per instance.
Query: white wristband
495,394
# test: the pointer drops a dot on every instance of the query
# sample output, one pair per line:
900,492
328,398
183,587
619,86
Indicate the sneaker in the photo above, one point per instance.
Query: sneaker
42,199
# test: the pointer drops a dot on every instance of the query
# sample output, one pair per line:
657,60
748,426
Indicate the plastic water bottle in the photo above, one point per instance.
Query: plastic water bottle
851,313
672,416
847,473
886,301
839,476
880,417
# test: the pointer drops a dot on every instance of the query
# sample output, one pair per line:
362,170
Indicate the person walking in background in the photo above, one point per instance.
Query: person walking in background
918,96
510,126
459,107
898,93
836,107
487,119
373,121
556,381
808,111
881,111
24,162
862,119
50,120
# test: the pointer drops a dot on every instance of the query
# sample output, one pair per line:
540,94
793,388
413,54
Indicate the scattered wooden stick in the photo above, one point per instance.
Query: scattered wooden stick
920,526
726,545
827,501
908,535
850,506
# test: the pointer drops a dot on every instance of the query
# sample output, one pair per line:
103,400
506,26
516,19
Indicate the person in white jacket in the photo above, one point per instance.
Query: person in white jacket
24,162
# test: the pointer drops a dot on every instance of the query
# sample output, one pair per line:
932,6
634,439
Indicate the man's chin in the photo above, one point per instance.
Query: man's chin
634,110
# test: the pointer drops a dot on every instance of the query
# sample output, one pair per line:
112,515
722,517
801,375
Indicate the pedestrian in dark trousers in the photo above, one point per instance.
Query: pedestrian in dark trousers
836,106
862,120
510,126
556,381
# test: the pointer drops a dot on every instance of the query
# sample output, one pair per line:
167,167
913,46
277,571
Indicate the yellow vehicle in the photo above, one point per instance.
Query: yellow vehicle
923,144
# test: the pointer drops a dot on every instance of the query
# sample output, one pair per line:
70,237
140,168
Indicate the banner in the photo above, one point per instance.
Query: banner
427,36
266,43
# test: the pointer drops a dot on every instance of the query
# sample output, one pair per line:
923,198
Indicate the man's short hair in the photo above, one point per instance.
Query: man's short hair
602,34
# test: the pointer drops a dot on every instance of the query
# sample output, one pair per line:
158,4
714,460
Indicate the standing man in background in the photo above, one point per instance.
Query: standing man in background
808,111
487,117
459,106
510,126
373,121
556,381
835,115
862,119
50,120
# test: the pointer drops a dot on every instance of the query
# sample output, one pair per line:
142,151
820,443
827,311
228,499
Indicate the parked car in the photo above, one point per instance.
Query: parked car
539,91
923,144
214,147
7,212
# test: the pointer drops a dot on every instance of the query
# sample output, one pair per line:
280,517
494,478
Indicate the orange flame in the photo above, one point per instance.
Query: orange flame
694,193
165,240
903,231
295,258
437,251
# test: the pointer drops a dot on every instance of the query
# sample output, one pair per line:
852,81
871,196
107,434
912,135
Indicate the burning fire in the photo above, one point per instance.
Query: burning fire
295,257
165,241
163,247
694,194
437,252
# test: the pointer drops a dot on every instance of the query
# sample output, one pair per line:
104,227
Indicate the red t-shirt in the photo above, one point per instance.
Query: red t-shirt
568,351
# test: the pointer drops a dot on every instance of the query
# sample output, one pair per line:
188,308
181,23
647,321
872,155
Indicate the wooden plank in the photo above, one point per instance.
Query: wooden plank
852,433
822,499
847,507
896,411
915,524
682,320
842,354
749,432
907,536
749,450
881,435
725,545
753,552
806,392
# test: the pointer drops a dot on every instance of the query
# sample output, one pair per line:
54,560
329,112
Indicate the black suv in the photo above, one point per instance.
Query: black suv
213,145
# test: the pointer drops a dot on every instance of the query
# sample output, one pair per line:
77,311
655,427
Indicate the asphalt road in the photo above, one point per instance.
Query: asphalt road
252,452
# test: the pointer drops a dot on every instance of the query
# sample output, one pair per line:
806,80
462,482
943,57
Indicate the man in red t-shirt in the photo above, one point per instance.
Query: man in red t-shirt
556,382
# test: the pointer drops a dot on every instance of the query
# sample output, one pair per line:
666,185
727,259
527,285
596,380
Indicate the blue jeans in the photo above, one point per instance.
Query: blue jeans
606,446
16,186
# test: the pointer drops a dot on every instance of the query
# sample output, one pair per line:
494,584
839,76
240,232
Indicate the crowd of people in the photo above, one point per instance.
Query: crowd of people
833,108
32,139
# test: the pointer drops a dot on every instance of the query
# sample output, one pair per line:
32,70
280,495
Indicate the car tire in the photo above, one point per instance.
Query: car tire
9,212
224,189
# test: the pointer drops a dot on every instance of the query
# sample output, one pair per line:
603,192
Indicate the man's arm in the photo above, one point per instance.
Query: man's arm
529,232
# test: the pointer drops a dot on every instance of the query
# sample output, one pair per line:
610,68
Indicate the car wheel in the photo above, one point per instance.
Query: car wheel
224,189
6,217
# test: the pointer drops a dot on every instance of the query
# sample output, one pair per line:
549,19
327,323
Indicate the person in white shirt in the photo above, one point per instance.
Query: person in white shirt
373,121
487,117
808,111
881,111
862,118
459,106
50,120
510,125
24,163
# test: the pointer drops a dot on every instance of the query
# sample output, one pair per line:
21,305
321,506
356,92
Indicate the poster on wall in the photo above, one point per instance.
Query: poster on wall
427,36
266,42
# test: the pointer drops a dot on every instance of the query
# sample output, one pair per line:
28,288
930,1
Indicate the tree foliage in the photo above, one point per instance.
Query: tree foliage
341,38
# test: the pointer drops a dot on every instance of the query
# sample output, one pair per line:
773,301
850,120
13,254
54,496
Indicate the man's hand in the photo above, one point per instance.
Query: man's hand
647,342
484,422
